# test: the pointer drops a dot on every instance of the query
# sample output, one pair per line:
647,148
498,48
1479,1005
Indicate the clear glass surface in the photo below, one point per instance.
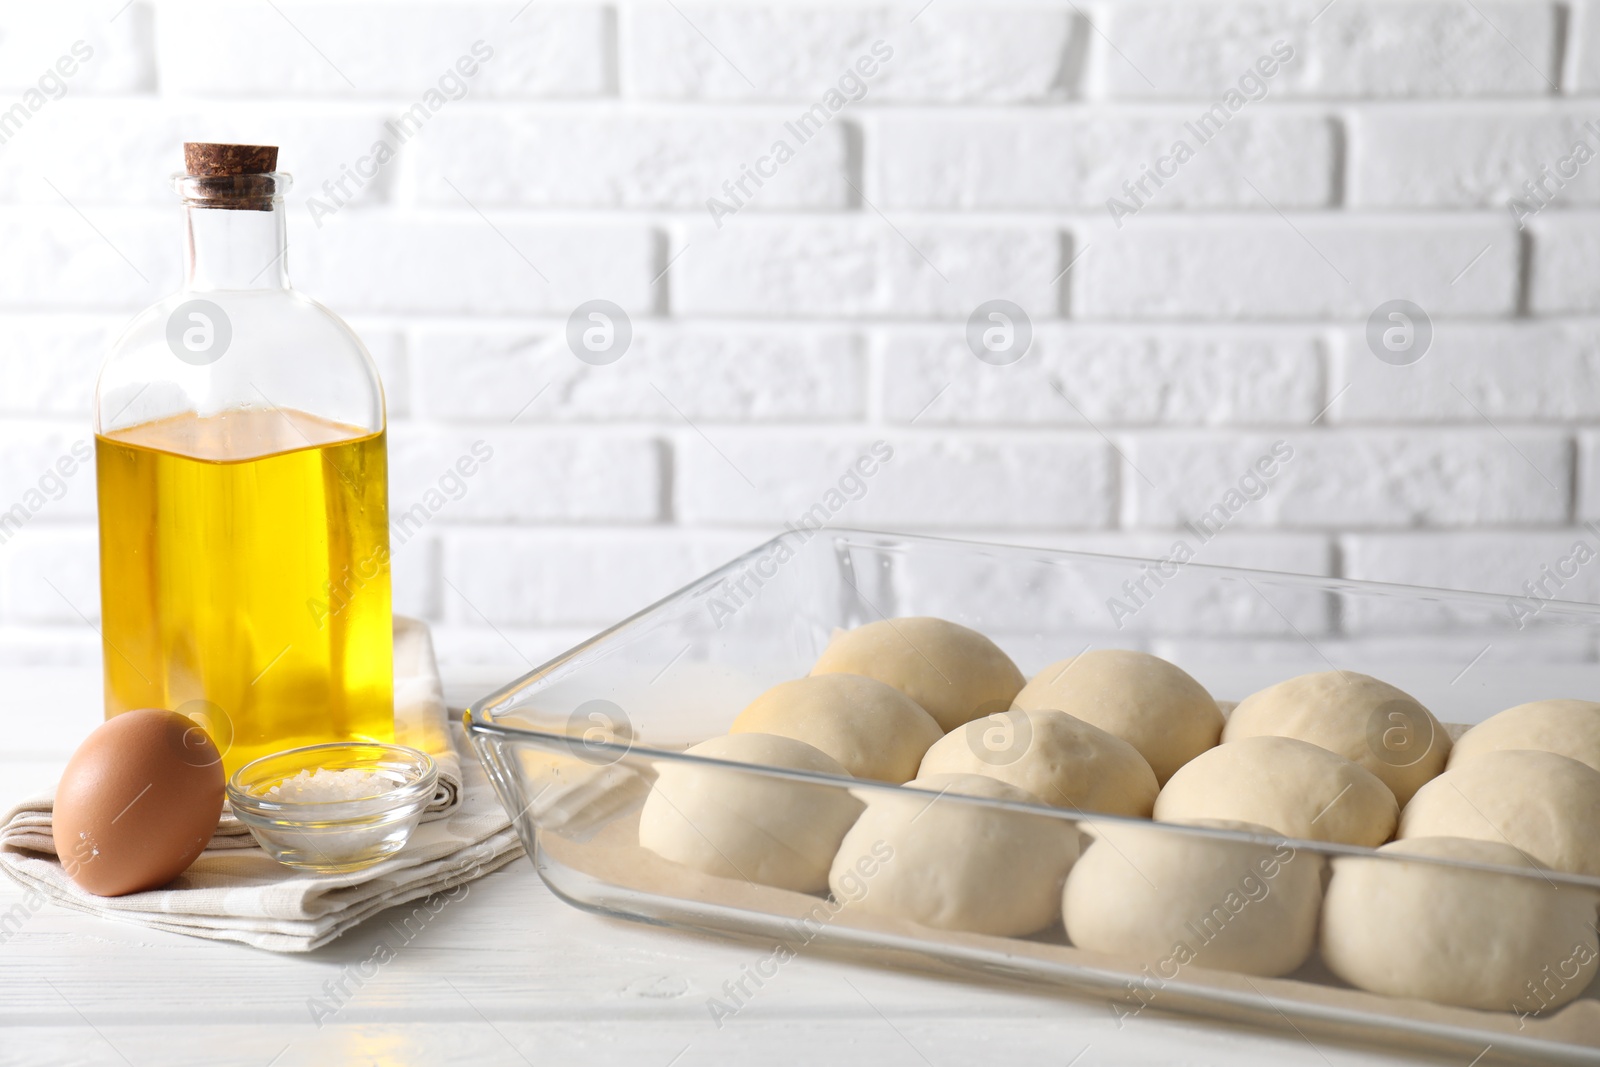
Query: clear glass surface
283,350
576,748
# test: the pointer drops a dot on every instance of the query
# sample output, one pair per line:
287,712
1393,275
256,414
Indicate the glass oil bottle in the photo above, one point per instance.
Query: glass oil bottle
243,490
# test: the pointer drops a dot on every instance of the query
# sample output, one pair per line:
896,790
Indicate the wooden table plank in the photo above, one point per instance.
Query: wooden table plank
886,1041
560,983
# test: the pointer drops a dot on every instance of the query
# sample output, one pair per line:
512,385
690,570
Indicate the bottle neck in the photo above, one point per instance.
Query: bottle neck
234,248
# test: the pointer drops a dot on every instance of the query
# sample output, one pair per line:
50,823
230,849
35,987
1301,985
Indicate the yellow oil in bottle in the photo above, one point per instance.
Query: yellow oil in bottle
244,570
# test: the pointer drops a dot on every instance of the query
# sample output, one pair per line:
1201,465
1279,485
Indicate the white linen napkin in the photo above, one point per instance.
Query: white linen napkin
234,892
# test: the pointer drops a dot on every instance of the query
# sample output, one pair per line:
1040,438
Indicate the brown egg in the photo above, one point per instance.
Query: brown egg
137,802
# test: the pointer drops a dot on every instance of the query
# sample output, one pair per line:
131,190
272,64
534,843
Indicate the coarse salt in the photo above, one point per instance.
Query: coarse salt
323,785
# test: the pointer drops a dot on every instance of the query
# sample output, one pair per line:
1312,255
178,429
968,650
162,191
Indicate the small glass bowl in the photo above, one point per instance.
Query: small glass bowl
334,836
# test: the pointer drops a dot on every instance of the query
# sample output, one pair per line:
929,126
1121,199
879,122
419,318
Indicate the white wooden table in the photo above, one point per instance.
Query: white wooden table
509,974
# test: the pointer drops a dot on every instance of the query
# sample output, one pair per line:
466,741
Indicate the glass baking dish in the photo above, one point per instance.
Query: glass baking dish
574,747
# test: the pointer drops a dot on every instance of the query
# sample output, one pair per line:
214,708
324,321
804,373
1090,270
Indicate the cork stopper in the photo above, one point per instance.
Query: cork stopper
228,160
237,177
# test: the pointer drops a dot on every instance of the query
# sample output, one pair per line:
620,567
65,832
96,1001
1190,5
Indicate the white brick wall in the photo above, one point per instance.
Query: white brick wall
1174,342
990,159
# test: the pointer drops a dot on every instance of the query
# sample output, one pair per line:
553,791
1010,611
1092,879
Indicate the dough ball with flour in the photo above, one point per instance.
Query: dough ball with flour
953,865
1355,715
872,729
1292,786
956,674
744,825
1544,804
1568,728
1170,899
1062,760
1151,704
1454,935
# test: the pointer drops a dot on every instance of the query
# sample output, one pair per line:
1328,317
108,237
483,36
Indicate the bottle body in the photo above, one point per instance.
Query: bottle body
248,591
240,448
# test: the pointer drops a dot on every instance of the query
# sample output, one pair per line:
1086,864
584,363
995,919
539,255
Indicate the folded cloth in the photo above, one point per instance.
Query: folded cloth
421,720
234,892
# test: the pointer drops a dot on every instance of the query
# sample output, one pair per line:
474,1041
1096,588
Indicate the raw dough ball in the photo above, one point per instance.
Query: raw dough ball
1566,727
955,673
1452,935
1544,804
737,824
952,865
1170,899
1059,759
1149,703
872,729
1292,786
1357,716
